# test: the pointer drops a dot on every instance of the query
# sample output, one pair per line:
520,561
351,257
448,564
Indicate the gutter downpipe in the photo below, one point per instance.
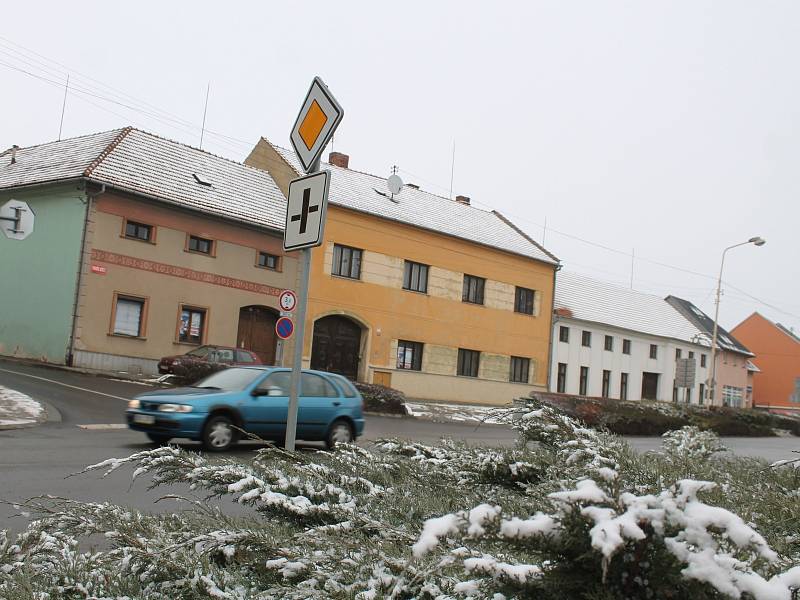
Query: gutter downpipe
79,279
552,330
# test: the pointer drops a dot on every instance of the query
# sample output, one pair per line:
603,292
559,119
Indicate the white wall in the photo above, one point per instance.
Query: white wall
575,356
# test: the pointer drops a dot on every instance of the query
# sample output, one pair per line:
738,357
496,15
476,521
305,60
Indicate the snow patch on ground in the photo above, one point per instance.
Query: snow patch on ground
435,411
17,408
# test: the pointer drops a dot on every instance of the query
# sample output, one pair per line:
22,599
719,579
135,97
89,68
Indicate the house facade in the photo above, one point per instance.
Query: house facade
425,294
776,385
142,248
612,342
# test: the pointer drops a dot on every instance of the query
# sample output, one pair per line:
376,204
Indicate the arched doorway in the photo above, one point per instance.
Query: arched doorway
257,331
336,346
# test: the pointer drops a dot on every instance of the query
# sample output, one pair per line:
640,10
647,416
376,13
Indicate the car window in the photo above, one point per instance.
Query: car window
317,386
224,355
200,352
279,379
230,380
347,388
243,356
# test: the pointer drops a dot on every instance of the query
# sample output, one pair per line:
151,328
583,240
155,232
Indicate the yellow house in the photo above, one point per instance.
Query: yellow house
428,295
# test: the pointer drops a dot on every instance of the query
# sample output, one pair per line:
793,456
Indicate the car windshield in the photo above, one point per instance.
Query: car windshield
230,380
200,352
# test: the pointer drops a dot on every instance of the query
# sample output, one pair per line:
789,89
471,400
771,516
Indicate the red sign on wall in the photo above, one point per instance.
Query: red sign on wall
99,269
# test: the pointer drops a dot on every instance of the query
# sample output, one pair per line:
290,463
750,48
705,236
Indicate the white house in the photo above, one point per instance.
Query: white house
612,342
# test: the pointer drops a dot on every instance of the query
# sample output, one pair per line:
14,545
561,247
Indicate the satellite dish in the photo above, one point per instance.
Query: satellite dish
395,184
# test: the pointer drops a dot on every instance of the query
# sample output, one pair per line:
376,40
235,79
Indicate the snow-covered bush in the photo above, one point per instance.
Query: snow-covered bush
569,513
690,444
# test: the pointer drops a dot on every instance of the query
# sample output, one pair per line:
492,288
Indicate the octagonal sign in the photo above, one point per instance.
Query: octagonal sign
16,219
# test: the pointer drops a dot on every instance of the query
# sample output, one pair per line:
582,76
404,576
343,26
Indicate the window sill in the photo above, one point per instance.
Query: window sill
275,270
524,314
127,337
178,343
346,278
421,293
135,239
208,254
473,303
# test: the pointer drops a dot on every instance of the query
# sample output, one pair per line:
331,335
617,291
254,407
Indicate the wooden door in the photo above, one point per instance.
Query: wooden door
336,346
649,386
257,332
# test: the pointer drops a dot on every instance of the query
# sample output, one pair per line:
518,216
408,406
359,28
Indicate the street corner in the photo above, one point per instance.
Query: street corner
18,410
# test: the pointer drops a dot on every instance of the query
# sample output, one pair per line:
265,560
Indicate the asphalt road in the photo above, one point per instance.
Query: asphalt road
37,461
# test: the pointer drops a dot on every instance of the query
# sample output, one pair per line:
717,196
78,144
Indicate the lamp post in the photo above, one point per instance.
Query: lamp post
712,386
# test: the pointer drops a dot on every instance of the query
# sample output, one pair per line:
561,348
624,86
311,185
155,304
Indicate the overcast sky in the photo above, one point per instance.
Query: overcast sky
669,128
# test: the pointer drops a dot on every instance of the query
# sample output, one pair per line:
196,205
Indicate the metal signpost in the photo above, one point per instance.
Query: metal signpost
685,373
306,209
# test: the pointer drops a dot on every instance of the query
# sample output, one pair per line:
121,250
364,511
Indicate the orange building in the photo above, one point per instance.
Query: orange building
428,295
777,349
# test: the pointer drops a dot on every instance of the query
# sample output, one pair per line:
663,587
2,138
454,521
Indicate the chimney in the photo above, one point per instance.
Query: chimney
462,200
413,185
14,149
339,159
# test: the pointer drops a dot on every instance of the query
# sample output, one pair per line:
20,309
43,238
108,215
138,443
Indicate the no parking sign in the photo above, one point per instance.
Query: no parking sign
284,327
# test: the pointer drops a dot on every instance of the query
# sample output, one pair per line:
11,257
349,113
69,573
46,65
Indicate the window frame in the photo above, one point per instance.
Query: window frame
703,361
519,294
462,362
143,314
278,261
519,360
416,361
623,386
678,353
608,343
408,276
336,269
654,351
606,388
586,339
480,282
204,324
626,346
561,378
212,245
583,381
124,233
563,334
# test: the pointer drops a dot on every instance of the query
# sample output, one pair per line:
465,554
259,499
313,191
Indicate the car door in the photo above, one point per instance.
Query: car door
265,411
317,404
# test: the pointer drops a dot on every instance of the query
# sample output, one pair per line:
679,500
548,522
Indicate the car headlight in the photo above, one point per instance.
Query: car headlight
182,408
134,404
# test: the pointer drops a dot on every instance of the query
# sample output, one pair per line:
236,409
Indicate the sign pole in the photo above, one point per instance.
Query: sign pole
295,387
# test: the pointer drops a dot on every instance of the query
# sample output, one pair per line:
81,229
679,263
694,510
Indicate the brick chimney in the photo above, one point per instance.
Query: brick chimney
462,200
339,159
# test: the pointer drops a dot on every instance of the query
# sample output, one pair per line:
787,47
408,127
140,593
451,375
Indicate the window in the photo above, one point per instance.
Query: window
314,386
242,356
268,261
586,338
520,368
688,395
674,391
563,333
653,351
584,382
702,360
473,289
702,397
415,277
346,262
561,385
678,353
606,383
609,343
279,379
409,355
623,386
138,231
468,361
691,354
191,325
347,388
128,316
626,346
523,301
200,245
732,396
223,355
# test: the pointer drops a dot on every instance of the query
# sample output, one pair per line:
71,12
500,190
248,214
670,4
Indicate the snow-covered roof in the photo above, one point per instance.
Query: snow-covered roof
369,194
588,299
135,161
702,321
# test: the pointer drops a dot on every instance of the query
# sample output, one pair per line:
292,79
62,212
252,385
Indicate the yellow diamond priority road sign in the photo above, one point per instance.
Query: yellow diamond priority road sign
319,117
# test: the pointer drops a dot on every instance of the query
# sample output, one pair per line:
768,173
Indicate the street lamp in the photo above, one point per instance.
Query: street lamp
712,387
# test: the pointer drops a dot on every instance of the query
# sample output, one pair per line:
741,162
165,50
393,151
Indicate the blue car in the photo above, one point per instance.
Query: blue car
254,399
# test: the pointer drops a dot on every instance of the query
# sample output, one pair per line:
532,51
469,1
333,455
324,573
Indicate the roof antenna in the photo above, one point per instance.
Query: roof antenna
63,106
452,169
205,110
394,183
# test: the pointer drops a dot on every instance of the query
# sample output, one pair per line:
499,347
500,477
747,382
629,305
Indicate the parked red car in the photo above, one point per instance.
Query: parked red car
209,354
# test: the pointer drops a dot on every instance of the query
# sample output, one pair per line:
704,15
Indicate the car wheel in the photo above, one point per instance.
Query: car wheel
340,432
219,434
158,439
